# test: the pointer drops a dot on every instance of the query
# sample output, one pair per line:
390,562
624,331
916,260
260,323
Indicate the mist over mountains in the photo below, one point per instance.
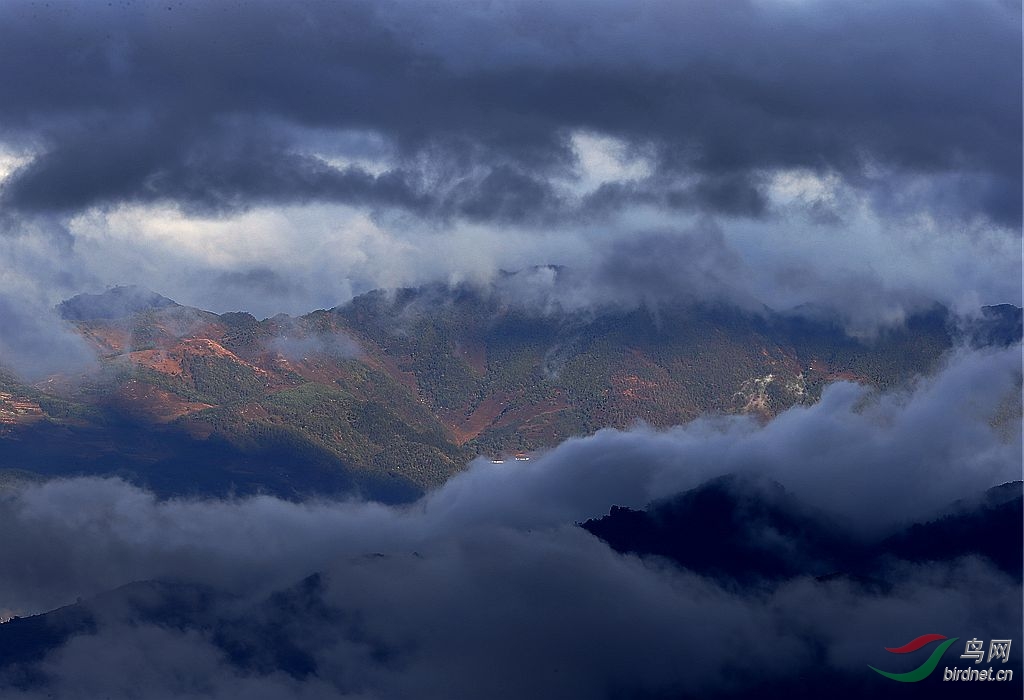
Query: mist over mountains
811,528
598,349
392,393
744,540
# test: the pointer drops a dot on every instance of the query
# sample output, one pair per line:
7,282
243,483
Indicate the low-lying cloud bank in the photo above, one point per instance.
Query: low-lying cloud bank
487,588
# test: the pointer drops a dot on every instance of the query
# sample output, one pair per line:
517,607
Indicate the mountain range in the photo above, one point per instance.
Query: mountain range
393,392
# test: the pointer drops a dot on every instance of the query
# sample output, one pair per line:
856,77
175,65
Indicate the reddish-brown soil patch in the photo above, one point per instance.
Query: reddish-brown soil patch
158,360
780,358
501,410
819,366
464,428
543,430
109,341
314,369
523,414
169,361
153,403
847,376
204,347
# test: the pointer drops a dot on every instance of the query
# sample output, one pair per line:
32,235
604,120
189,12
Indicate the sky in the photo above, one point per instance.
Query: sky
283,157
277,157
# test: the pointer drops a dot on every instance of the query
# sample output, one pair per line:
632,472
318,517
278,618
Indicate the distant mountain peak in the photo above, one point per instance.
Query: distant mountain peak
114,303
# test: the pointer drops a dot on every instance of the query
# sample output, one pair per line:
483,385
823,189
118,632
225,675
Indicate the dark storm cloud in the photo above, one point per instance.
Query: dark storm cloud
732,194
211,106
217,172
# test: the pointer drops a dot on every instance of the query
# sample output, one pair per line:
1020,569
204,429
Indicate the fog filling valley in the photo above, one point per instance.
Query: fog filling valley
488,586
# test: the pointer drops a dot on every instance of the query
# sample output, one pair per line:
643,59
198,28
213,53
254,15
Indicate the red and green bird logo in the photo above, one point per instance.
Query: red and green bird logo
925,669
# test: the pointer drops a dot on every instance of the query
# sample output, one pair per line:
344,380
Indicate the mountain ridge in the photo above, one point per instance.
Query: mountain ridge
409,385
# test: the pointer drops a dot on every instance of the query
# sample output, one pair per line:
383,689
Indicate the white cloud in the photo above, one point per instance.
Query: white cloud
803,187
11,161
604,159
